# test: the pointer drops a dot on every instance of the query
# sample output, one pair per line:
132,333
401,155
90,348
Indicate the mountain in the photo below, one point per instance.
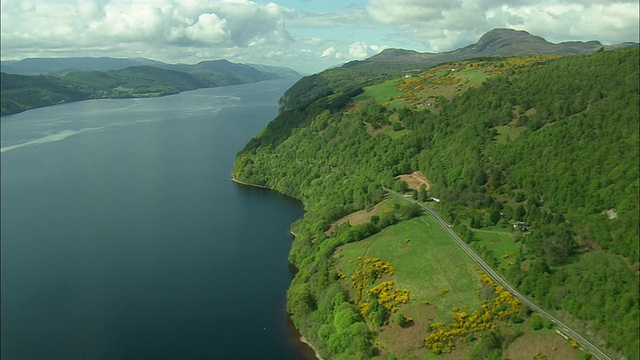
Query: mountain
392,62
509,42
60,66
542,142
497,42
22,92
224,71
76,79
140,79
281,71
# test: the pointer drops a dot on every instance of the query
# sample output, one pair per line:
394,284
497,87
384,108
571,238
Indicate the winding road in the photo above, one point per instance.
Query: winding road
561,327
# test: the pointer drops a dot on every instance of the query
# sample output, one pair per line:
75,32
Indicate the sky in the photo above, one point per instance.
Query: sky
306,35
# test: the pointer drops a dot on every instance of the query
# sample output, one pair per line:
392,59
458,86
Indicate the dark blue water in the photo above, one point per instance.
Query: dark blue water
123,237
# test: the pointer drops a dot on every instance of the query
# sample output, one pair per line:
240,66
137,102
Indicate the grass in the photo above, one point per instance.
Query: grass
499,240
381,93
508,133
428,262
441,81
544,343
473,77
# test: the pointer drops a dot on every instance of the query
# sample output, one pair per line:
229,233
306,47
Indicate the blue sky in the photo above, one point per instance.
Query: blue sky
307,35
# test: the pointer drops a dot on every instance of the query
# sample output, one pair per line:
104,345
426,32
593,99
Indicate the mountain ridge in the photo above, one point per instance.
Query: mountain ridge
100,78
504,42
393,62
64,65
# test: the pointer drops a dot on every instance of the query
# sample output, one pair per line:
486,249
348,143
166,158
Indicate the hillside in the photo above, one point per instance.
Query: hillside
394,62
117,78
550,141
135,81
22,92
62,66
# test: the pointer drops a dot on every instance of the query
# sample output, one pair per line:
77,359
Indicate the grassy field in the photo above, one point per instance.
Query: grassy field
499,240
381,93
472,77
428,262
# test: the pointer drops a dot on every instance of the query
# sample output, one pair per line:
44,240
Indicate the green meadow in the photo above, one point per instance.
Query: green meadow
381,93
426,261
500,241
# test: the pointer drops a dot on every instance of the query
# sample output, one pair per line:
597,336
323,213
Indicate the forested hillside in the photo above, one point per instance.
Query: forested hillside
23,92
395,62
549,141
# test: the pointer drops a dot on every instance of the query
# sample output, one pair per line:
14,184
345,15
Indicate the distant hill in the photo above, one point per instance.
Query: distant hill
59,66
226,72
21,92
73,79
392,62
137,81
281,71
495,43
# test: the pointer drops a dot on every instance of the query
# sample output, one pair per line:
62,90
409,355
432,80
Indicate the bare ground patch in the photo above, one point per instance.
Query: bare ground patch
549,345
408,340
356,218
415,180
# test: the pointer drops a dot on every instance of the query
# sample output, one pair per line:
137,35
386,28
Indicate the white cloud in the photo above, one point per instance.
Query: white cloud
342,19
255,31
112,22
409,11
329,52
444,25
358,50
209,28
612,22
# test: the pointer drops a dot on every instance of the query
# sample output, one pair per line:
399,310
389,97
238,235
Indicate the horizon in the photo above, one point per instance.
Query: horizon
303,35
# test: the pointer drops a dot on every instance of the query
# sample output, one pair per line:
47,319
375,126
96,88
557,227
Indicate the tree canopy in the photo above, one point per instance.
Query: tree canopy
550,142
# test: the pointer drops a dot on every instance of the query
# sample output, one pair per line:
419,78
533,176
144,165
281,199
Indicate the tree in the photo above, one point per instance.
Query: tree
401,187
480,178
403,320
520,213
422,193
494,217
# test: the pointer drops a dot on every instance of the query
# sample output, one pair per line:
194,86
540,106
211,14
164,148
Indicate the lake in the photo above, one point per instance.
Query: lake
124,238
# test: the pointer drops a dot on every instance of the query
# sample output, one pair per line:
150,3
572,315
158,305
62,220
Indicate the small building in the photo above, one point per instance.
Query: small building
435,199
521,225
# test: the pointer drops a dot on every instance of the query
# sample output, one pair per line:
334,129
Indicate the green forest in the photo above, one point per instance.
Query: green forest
23,92
547,141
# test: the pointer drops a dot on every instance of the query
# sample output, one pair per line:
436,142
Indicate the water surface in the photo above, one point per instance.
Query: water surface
123,237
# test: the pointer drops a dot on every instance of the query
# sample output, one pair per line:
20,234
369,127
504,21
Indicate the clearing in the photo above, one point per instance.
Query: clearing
426,261
357,218
415,180
501,241
440,276
386,93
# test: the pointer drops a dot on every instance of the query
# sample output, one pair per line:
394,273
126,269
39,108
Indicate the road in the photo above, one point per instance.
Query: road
584,343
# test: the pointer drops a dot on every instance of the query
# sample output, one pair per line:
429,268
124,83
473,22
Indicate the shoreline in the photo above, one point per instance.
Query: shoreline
235,180
301,338
304,340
